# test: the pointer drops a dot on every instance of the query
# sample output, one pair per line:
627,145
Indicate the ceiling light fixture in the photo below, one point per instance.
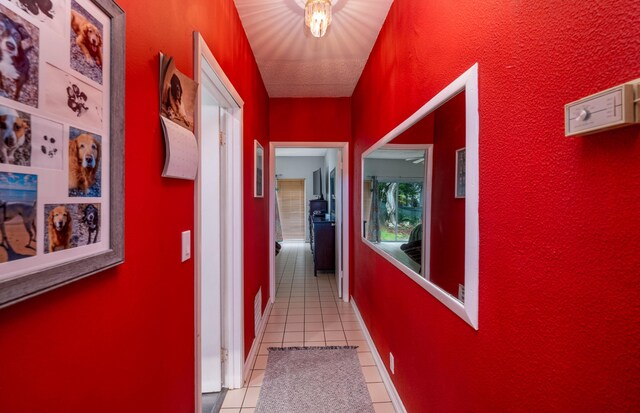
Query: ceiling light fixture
317,16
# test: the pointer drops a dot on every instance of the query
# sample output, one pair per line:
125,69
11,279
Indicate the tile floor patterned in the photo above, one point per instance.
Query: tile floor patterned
307,312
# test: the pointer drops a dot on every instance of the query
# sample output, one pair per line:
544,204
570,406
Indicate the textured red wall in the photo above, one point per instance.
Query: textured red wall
559,222
447,211
122,341
310,119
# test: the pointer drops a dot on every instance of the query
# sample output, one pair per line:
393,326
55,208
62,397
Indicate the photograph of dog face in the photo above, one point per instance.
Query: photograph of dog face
178,97
86,43
15,137
47,143
19,52
18,208
85,150
71,226
49,12
67,96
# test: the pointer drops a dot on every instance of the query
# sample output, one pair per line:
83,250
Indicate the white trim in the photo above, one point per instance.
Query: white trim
255,347
232,217
386,378
467,82
344,146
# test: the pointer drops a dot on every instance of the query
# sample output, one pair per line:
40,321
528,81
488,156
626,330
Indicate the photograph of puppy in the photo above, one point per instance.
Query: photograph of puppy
59,229
86,43
15,137
47,143
18,196
178,97
91,222
69,97
84,163
19,53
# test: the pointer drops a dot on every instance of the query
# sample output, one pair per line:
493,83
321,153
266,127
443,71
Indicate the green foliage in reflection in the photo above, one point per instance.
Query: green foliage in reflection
400,209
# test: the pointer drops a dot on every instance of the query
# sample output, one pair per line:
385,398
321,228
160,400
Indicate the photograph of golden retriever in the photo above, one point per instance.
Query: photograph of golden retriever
71,226
84,163
59,229
86,43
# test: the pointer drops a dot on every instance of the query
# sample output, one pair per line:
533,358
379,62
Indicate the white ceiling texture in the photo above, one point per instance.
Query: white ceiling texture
293,63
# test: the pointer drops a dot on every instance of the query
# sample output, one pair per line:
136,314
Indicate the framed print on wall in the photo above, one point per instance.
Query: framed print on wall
461,175
259,171
62,150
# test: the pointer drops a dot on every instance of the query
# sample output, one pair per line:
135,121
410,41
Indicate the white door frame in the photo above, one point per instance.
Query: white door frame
344,146
231,297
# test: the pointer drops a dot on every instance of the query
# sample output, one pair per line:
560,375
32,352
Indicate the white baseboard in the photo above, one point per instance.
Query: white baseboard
386,379
255,346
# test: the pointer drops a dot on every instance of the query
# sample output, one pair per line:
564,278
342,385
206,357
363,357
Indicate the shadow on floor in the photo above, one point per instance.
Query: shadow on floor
212,402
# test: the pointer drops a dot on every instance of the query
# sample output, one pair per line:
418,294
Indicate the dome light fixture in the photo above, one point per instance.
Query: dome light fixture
317,16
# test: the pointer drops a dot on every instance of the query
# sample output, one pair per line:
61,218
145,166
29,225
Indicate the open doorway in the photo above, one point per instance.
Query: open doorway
323,168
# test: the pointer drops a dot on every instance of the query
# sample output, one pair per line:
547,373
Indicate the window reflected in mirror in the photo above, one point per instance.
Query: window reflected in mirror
413,197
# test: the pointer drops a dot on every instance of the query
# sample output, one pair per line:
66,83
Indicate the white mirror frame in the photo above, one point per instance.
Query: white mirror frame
468,83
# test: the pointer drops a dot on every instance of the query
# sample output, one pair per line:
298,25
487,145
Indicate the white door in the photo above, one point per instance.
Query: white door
210,236
339,223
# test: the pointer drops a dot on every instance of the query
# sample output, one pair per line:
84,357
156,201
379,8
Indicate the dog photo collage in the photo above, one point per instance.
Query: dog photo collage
54,83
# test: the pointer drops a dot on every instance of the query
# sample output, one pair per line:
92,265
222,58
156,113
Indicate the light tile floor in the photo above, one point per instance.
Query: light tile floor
307,312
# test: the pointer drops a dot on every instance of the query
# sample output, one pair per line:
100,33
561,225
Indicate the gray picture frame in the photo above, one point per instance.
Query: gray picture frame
37,282
461,173
258,189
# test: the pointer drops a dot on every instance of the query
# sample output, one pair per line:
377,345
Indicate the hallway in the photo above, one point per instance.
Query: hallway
307,312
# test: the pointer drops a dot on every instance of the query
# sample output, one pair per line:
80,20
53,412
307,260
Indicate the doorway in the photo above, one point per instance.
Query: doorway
333,188
219,350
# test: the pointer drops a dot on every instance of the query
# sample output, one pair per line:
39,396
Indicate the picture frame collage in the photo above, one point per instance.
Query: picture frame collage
61,142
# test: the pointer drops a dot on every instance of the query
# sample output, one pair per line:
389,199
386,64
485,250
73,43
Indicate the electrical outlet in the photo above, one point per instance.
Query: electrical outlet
392,363
186,245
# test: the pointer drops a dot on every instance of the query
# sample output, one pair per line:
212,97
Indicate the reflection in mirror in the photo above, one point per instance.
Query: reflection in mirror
393,197
420,188
413,197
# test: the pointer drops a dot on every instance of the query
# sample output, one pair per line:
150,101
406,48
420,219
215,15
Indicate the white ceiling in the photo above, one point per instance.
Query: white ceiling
301,151
293,63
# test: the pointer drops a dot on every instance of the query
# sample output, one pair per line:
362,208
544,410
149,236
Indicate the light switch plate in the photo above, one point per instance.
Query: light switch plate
186,245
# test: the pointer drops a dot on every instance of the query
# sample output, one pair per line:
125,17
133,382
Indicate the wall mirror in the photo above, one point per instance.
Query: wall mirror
420,196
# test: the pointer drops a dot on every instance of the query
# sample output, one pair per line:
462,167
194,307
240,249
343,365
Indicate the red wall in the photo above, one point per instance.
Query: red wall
559,224
122,341
447,211
310,119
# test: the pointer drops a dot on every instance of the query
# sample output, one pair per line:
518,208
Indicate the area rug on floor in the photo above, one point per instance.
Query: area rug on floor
314,380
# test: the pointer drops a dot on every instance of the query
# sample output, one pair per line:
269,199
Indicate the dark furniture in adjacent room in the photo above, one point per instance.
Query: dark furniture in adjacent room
322,237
